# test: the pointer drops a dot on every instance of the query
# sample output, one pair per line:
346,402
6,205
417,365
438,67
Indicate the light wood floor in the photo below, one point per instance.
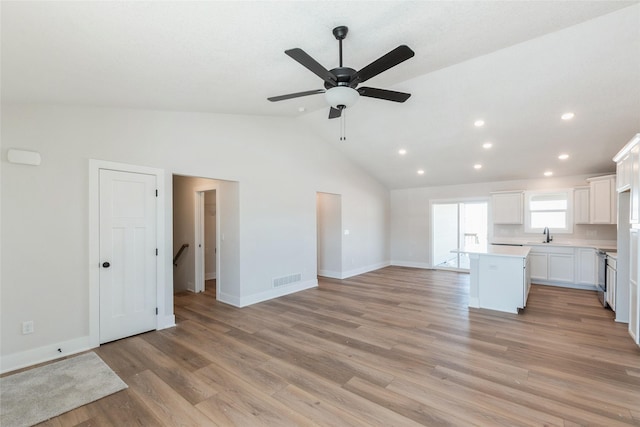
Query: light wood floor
395,347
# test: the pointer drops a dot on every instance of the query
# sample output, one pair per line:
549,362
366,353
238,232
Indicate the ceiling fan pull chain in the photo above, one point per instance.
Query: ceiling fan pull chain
343,125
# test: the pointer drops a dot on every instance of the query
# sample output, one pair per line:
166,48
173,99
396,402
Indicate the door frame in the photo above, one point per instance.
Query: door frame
162,319
199,278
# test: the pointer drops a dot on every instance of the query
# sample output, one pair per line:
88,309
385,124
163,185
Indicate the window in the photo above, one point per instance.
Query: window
553,209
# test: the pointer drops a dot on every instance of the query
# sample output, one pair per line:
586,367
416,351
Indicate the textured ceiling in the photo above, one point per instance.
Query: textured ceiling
517,65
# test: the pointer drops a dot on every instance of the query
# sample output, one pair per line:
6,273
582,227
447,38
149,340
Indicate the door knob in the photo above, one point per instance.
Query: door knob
106,264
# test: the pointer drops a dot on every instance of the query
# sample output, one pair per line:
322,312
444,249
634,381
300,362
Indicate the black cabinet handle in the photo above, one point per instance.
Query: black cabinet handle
106,264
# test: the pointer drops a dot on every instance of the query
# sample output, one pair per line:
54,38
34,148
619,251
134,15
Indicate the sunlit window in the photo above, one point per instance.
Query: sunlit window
548,209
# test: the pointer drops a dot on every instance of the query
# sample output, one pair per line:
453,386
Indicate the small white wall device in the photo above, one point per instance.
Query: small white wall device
23,157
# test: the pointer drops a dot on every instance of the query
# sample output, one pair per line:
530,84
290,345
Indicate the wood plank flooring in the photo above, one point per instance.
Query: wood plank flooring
394,347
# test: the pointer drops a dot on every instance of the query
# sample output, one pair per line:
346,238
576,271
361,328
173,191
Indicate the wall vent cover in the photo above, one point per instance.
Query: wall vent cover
286,280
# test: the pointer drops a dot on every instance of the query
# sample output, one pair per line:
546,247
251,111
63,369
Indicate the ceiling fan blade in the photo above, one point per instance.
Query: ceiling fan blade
295,95
391,59
388,95
312,65
334,113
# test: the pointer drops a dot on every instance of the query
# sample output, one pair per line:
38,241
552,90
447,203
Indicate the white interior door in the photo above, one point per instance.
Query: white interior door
127,254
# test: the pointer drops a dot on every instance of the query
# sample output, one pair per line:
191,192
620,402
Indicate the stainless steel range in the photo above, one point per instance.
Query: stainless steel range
602,278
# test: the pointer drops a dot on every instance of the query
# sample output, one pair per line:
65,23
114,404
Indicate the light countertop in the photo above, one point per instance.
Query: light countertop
499,250
604,245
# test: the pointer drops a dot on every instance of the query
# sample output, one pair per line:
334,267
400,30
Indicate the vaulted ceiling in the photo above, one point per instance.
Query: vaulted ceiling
516,65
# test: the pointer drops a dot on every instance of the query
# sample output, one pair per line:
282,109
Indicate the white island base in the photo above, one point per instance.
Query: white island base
499,278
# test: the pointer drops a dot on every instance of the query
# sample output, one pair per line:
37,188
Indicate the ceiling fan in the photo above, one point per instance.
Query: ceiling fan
341,83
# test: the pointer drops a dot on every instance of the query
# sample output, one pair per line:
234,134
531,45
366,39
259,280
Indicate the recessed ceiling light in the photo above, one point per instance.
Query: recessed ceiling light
301,109
567,116
487,145
478,123
548,173
477,166
563,156
420,172
402,151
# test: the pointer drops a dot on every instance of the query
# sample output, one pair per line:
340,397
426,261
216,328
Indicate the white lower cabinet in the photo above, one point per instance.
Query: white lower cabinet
611,283
586,266
634,302
561,265
538,263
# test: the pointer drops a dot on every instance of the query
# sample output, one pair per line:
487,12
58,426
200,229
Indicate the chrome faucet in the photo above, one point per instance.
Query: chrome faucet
548,237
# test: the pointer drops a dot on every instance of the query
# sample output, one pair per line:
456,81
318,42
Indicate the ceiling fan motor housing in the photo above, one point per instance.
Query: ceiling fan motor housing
345,76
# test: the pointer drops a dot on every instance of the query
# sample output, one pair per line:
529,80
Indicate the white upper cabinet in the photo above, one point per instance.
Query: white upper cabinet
624,170
507,207
634,200
581,205
603,200
628,170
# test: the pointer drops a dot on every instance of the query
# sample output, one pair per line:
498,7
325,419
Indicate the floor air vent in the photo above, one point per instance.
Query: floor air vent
285,280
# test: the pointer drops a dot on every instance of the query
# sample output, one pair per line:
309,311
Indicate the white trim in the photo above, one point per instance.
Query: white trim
277,292
331,274
165,322
228,299
565,285
94,245
210,276
365,269
412,264
627,148
22,359
474,302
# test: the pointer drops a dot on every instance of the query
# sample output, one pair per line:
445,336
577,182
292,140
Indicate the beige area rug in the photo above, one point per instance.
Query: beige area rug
33,396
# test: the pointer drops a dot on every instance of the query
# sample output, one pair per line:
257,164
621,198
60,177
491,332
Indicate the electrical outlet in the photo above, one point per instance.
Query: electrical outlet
27,327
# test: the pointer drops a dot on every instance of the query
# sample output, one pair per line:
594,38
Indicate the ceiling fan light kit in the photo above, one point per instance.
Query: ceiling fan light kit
341,97
341,83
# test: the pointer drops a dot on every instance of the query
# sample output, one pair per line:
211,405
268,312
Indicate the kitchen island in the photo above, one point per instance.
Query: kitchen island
499,277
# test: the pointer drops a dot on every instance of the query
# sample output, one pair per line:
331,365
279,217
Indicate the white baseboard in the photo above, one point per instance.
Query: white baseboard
365,269
565,285
474,302
165,322
411,264
229,299
210,276
330,274
278,292
46,353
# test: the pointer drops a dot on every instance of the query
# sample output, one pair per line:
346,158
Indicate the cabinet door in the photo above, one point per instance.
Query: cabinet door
507,208
587,266
601,202
538,266
634,315
634,213
561,267
623,174
611,288
581,205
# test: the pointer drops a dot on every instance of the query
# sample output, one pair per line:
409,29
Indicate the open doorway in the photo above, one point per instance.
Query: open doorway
195,234
329,234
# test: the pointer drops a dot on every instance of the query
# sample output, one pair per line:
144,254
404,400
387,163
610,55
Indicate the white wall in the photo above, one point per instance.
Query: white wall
278,167
411,216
